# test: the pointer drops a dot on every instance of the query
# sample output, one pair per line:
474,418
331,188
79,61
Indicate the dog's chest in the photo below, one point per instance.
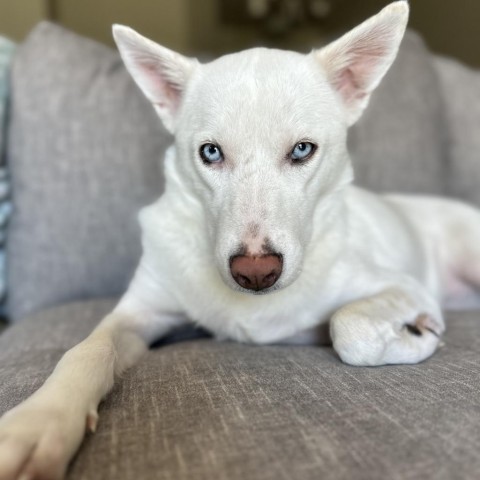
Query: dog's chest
256,318
189,275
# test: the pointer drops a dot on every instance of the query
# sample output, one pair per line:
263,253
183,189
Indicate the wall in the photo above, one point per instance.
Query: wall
451,27
17,17
193,26
165,20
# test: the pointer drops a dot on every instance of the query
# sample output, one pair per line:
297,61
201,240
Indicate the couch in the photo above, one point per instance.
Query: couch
84,154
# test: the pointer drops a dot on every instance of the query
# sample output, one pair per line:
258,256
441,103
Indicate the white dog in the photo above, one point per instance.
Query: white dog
260,236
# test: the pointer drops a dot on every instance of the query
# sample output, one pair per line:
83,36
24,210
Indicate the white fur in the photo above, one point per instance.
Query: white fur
370,264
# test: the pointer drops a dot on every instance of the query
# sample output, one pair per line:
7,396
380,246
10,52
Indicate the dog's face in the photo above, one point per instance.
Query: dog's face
261,137
260,150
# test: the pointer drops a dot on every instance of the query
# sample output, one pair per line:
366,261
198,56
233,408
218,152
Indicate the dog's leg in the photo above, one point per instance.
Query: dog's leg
401,324
453,228
39,437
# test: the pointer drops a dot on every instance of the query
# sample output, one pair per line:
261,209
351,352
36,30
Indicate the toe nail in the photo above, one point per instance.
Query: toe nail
92,421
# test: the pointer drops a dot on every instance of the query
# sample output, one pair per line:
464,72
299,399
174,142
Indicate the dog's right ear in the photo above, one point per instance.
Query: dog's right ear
160,73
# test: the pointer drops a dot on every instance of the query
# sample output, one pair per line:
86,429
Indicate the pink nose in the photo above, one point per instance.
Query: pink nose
256,273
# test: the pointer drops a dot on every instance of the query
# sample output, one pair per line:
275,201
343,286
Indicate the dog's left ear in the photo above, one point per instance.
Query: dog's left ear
161,74
356,63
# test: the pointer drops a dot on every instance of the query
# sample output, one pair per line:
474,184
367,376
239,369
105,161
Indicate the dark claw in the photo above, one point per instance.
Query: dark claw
414,329
432,331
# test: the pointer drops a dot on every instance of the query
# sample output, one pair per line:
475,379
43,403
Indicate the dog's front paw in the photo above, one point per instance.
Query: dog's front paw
38,439
363,340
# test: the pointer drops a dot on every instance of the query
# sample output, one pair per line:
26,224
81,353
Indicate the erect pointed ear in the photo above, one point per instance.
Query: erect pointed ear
160,73
356,63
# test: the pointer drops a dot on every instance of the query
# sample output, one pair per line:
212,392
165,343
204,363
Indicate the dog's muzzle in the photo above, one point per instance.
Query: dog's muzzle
256,272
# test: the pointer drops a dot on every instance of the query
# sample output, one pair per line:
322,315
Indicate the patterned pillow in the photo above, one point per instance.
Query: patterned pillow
7,49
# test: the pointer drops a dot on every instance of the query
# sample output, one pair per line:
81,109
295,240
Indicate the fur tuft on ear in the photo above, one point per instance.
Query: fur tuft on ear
160,73
356,63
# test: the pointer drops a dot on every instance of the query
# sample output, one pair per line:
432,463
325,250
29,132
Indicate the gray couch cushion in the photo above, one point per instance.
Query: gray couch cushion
84,153
399,143
461,91
205,410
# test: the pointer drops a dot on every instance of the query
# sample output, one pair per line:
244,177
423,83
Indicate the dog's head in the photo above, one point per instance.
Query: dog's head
261,138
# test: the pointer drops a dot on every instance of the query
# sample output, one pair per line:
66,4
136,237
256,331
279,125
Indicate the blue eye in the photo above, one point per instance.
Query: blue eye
211,153
302,151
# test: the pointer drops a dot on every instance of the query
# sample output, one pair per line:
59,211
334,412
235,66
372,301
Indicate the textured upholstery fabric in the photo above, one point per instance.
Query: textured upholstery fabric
399,143
461,93
84,154
206,410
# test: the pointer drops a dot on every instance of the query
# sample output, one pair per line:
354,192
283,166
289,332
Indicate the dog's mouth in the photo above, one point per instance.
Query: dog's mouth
247,291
